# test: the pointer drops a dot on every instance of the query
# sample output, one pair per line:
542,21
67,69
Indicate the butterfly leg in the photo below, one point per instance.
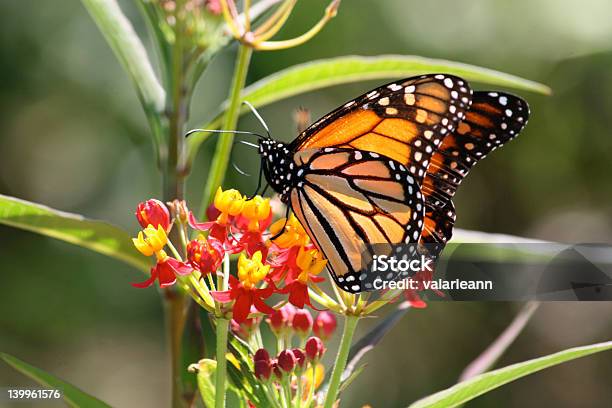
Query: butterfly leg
280,232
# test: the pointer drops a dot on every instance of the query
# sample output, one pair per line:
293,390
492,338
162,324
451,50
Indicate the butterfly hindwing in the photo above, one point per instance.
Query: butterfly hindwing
405,120
493,119
349,199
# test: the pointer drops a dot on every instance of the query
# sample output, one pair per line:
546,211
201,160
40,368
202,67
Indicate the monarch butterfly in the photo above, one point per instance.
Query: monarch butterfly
384,167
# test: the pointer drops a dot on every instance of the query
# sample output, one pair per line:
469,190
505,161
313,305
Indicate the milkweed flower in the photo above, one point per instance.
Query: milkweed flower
153,212
293,234
309,263
251,224
152,241
226,206
205,255
257,210
229,203
244,291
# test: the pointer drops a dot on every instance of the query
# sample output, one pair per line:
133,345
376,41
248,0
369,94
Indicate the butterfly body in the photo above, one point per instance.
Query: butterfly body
383,168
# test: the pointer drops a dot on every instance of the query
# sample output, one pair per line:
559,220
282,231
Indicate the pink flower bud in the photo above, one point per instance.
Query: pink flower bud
300,356
153,212
263,369
276,370
324,325
287,360
302,322
314,348
245,328
281,319
263,365
261,355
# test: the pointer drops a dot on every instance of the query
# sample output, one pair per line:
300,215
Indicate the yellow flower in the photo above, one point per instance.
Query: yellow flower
151,241
307,379
255,210
294,234
251,271
311,262
229,202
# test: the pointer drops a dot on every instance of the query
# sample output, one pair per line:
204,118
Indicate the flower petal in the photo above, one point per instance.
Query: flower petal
242,307
179,267
149,281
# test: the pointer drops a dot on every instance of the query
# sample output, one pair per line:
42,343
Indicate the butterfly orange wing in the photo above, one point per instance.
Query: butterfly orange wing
405,121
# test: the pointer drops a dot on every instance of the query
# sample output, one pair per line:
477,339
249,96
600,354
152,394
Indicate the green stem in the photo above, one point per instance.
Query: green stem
220,160
175,305
350,323
221,372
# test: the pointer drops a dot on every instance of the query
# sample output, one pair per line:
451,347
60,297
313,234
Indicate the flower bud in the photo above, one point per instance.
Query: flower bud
314,348
280,320
246,328
179,211
276,369
262,355
286,360
324,325
302,322
263,369
153,212
300,357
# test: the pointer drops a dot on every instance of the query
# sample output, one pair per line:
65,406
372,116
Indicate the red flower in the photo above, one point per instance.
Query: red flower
153,212
302,268
244,292
205,255
165,271
215,230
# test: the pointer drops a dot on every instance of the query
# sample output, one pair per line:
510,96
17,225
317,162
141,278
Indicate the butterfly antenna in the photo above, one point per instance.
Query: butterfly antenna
258,116
244,142
237,132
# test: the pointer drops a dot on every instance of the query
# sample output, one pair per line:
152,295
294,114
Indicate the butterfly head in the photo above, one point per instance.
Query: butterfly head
278,166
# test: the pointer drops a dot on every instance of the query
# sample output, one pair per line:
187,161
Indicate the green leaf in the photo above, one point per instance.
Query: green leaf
206,381
468,390
71,394
98,236
323,73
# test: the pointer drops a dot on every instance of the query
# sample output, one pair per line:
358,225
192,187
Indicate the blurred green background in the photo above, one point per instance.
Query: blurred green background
73,136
